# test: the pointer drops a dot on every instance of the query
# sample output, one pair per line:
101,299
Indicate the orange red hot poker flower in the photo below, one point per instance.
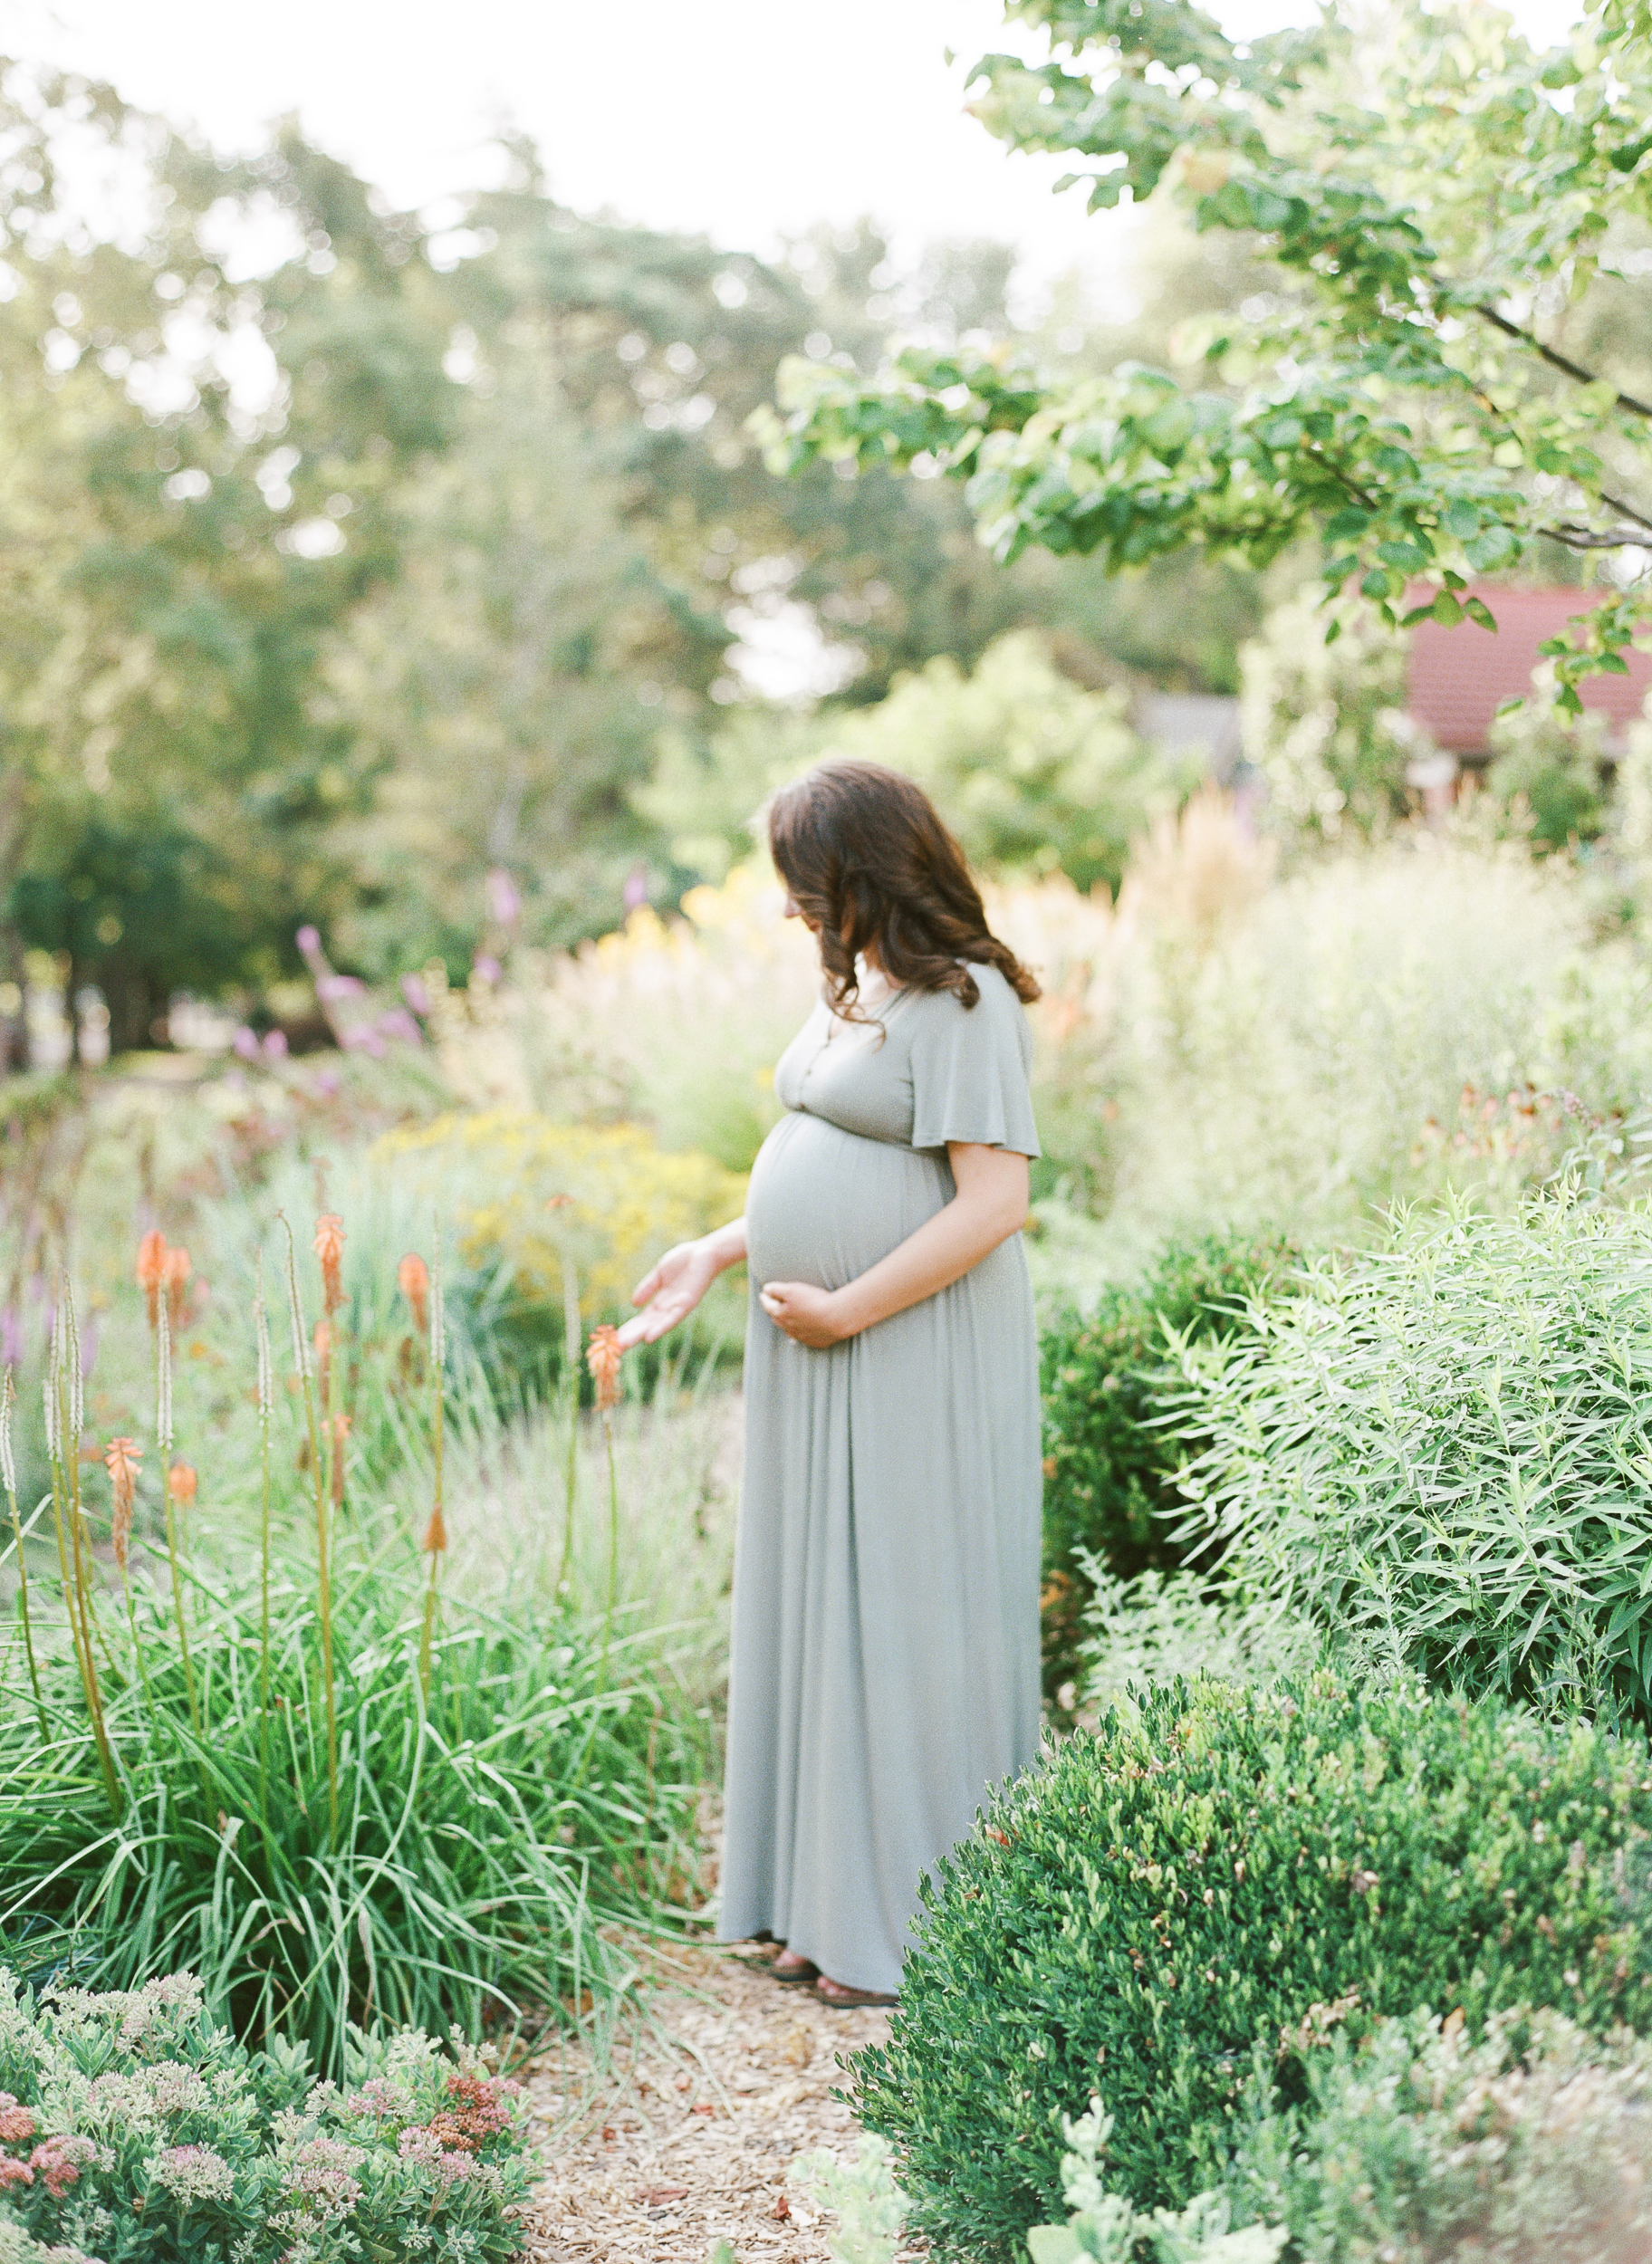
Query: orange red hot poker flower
413,1279
152,1271
329,1248
179,1271
602,1358
181,1483
120,1459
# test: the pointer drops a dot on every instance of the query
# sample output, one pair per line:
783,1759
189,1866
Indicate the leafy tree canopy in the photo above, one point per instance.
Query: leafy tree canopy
1454,218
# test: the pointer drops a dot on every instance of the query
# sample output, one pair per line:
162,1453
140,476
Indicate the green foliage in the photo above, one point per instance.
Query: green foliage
1423,2141
1394,395
299,1755
1220,1873
1307,1065
1104,2226
869,2206
1439,1450
1325,724
487,1832
1109,1458
1036,774
133,2123
1161,1625
1555,764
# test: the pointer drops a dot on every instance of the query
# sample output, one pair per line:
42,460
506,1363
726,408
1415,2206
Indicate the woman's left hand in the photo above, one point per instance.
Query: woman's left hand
809,1316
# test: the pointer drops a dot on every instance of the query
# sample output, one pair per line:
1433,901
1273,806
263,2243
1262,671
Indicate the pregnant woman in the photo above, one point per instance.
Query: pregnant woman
885,1648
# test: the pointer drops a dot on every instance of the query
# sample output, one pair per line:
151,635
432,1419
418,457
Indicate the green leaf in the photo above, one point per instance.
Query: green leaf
1491,548
1054,2244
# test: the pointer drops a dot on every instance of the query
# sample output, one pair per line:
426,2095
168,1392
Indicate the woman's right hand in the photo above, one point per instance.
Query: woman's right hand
670,1293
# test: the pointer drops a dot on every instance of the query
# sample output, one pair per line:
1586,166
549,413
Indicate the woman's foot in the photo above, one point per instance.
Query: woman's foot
839,1993
792,1971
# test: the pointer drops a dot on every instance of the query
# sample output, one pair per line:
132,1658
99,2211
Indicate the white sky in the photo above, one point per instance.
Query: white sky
740,118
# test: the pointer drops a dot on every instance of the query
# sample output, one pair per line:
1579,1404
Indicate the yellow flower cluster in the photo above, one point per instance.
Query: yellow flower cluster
528,1194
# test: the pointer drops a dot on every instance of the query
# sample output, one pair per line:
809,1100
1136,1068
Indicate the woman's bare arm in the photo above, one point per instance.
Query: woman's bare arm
676,1286
990,1205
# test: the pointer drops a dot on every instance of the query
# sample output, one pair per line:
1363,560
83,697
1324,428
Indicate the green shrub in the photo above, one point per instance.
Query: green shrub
1104,2227
134,2127
1441,1451
1161,1625
1532,2141
1110,1460
1224,1868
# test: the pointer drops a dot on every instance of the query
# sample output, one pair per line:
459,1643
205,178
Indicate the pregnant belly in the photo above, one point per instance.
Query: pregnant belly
824,1205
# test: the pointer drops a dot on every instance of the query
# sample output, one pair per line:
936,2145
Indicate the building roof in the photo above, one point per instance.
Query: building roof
1461,677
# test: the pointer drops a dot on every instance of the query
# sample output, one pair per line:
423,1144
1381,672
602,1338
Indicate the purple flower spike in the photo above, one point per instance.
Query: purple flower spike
504,902
245,1044
486,966
413,989
275,1045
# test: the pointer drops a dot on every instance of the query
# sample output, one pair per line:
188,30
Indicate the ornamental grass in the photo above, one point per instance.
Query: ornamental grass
271,1747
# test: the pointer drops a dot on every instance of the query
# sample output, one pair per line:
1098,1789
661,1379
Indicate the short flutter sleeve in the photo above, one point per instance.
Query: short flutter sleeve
969,1069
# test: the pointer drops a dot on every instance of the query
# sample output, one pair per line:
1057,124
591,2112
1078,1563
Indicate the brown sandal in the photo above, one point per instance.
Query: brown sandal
843,1999
803,1975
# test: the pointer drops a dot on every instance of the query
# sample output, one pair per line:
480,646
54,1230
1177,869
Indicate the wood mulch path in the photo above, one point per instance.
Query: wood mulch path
687,2139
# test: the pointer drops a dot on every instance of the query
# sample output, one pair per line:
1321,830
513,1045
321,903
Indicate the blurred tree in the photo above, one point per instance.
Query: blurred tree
341,562
510,683
176,546
1035,773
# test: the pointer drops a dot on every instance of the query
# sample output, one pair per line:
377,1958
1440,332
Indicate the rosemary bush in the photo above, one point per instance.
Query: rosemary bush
135,2128
1441,1450
1220,1873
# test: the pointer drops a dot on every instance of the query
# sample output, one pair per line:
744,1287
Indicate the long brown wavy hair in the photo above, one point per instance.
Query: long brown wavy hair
870,864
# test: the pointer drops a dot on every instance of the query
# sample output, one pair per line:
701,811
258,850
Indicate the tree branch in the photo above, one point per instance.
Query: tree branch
1575,538
1616,503
1557,360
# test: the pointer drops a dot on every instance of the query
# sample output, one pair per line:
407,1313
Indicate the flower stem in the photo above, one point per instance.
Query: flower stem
23,1602
81,1607
613,1543
571,1331
266,1394
323,1572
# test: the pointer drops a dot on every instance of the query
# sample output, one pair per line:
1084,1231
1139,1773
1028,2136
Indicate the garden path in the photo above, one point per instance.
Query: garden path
688,2138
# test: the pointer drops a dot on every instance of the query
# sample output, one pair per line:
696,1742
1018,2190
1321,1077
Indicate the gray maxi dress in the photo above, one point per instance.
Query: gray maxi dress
886,1643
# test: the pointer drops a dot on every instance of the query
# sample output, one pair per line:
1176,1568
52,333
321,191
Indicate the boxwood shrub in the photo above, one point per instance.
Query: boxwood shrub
1109,1458
1219,1870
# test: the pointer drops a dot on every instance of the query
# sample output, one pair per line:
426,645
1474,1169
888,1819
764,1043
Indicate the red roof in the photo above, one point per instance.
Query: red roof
1461,677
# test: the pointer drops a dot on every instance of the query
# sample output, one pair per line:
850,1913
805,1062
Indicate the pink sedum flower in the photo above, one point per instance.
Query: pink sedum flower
60,2161
17,2123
